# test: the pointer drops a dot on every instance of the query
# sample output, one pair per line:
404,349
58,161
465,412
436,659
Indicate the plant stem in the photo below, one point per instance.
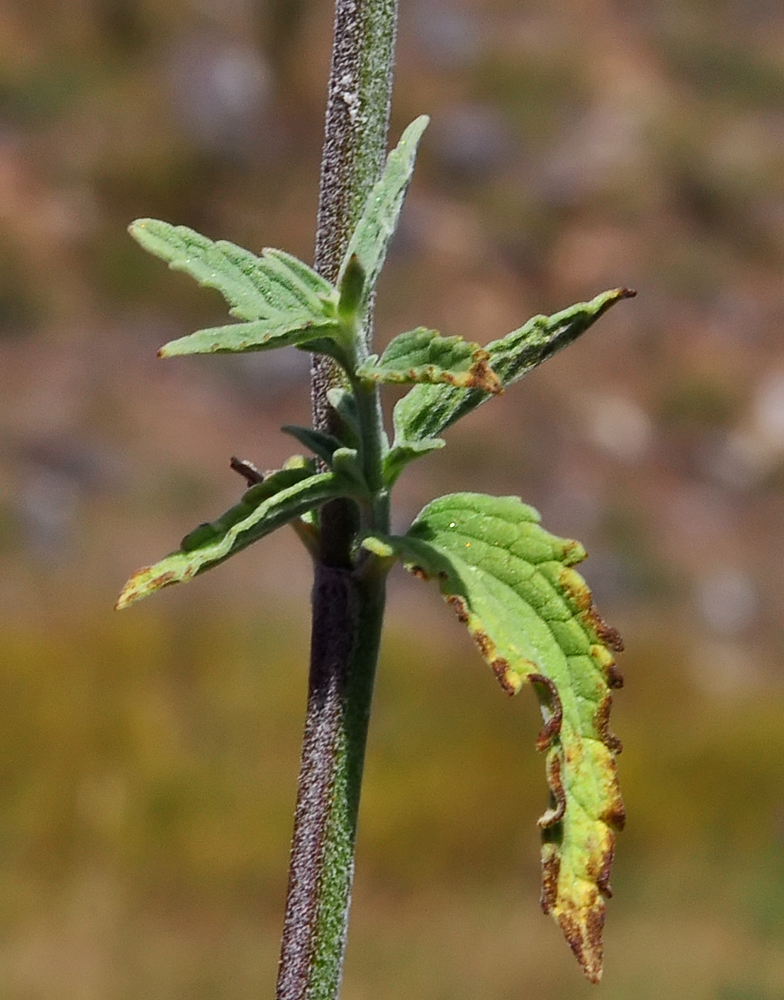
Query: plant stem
355,141
346,632
347,609
372,429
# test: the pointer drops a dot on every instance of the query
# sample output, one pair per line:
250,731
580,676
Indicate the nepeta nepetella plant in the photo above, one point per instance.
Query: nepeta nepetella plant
511,583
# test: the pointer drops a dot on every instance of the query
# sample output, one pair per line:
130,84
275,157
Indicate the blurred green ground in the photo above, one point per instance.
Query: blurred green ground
148,770
148,760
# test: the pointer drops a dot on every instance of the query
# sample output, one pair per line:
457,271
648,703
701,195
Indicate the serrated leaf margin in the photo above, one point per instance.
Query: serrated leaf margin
455,361
578,847
427,410
285,505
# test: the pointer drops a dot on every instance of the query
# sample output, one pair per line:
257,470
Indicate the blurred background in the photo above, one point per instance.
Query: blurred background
148,760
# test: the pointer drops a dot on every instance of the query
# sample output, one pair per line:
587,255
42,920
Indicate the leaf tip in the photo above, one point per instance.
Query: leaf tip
130,591
584,936
351,282
172,349
413,133
142,584
378,547
139,230
582,926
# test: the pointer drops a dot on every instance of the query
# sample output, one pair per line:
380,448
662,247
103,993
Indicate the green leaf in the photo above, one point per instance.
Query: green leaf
532,617
428,409
345,463
284,301
352,288
425,356
265,287
398,457
322,336
344,403
321,444
380,215
342,460
282,496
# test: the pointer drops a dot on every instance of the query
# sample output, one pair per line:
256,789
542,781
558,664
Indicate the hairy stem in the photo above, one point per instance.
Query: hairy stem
347,609
355,141
346,633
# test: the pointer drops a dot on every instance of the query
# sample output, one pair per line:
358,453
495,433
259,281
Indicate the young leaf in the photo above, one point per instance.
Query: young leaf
346,464
532,617
265,287
425,356
282,496
292,329
299,279
344,403
370,239
351,290
321,444
428,409
398,457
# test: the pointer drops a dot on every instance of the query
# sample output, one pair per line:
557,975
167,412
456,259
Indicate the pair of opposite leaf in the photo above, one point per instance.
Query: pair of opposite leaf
511,582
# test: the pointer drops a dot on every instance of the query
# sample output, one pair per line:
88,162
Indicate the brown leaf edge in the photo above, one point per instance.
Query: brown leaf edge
582,930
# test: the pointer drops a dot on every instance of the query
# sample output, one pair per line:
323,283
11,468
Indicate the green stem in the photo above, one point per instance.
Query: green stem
372,430
348,607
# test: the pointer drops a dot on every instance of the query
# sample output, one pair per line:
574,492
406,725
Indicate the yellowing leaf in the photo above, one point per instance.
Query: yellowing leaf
281,497
532,617
425,356
427,410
